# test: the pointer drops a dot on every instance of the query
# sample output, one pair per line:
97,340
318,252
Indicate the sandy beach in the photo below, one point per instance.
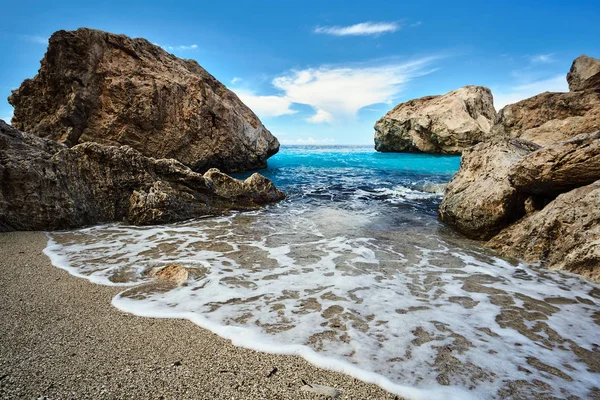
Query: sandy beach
62,339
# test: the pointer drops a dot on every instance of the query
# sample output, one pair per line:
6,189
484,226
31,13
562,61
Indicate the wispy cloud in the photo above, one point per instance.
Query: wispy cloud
178,48
361,29
37,39
266,106
513,94
542,58
321,116
309,140
335,92
236,80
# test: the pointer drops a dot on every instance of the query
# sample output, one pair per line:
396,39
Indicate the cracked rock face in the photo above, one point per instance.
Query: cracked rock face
480,200
48,186
446,124
114,90
584,74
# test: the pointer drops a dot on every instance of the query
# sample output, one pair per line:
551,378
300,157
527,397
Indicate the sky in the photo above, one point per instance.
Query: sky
323,72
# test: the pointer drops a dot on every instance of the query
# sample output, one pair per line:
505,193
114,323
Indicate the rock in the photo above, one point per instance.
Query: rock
254,190
445,124
584,74
172,273
47,186
114,90
559,167
564,235
550,117
480,201
321,390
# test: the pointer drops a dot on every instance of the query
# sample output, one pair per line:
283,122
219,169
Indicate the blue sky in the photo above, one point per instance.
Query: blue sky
325,71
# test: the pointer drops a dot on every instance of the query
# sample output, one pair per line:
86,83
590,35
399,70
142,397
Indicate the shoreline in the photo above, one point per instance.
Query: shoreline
62,338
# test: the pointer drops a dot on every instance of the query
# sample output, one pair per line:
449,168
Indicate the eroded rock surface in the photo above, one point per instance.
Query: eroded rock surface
584,74
445,124
47,186
114,90
565,234
559,167
479,201
550,117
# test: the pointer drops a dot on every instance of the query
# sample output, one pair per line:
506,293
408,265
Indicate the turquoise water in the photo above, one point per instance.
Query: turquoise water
295,164
354,272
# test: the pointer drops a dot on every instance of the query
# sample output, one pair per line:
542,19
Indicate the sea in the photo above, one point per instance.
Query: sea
354,272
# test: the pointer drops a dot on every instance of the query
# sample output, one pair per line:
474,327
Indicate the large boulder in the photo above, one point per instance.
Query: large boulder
47,186
584,74
480,200
564,235
550,117
114,90
559,167
446,124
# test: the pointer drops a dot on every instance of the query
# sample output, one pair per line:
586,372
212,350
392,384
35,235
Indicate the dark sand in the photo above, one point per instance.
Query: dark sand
61,338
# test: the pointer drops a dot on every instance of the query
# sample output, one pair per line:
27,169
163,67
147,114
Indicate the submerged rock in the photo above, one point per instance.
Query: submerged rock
445,124
584,74
114,90
172,273
565,234
480,200
559,167
47,186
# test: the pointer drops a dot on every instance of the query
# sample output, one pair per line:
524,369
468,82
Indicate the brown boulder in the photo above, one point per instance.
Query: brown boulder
559,167
564,235
47,186
254,190
445,124
173,273
114,90
480,201
584,74
550,117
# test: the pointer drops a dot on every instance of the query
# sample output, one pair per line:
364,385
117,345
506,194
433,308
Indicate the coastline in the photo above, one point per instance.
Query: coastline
63,339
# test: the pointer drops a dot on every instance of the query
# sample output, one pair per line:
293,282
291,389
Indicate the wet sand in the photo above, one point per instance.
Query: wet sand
60,338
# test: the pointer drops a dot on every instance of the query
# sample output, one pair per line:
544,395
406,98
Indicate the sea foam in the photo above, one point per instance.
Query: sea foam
354,273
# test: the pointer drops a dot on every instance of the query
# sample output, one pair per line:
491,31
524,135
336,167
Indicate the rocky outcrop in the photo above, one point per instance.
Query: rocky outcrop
480,200
550,117
114,90
558,168
47,186
554,117
565,234
446,124
584,74
533,188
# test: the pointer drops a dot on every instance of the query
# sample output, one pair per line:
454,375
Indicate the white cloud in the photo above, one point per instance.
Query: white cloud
236,80
342,91
266,106
321,116
542,58
176,48
335,92
309,140
513,94
37,39
361,29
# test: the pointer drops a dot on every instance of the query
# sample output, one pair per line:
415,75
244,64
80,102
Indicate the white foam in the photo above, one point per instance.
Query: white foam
271,278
